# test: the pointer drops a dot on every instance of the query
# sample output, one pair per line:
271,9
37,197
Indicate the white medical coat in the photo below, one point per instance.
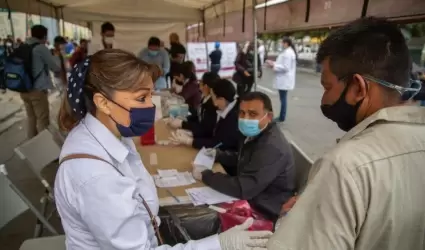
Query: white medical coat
285,70
99,208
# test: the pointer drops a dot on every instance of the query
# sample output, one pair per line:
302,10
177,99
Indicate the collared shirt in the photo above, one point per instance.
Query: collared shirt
99,208
223,113
42,62
367,193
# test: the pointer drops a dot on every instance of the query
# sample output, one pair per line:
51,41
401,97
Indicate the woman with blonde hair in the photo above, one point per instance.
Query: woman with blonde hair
104,195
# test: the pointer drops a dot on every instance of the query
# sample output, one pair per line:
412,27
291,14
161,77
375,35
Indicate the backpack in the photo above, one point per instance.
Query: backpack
17,75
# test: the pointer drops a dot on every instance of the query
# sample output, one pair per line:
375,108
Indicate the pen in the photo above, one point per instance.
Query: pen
218,145
169,192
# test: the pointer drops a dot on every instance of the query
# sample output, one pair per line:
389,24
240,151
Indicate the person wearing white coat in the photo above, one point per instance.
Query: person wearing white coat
285,70
104,195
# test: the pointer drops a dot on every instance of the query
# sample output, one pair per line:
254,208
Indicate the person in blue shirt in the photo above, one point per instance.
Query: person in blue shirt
215,57
154,54
69,47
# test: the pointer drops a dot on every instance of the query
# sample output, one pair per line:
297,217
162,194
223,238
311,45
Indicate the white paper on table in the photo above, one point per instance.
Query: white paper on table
156,100
181,179
207,195
167,173
204,160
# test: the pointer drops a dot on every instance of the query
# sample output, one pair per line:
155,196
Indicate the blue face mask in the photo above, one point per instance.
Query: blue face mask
141,121
153,52
250,127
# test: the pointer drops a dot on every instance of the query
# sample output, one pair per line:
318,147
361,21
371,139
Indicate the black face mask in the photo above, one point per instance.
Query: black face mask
341,112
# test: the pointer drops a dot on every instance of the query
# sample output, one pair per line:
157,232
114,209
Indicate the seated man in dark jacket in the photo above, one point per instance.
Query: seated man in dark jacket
225,133
265,172
202,122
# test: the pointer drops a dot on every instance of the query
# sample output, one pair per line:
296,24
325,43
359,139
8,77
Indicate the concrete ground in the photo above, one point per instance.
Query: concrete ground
305,124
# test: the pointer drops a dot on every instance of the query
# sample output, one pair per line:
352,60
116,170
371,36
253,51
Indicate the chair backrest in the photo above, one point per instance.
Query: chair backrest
39,151
45,243
11,205
302,166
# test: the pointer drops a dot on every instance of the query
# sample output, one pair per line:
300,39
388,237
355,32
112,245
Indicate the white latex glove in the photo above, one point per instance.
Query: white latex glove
177,138
175,123
197,172
237,238
178,88
184,132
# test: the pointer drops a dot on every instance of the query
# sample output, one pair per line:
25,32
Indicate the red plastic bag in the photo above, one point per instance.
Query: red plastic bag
149,137
238,212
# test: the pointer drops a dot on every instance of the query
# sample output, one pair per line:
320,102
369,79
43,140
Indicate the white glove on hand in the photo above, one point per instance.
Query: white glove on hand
184,132
237,238
178,89
179,138
175,123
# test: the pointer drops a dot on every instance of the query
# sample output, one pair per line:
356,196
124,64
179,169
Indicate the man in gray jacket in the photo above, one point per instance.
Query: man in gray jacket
36,101
262,171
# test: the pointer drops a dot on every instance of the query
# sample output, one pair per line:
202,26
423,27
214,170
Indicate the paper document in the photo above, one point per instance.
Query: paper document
167,173
207,195
204,160
171,179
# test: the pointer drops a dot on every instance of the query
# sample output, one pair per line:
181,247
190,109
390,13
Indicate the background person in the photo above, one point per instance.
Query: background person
262,171
154,54
80,53
285,68
225,133
244,75
186,85
36,101
60,78
202,122
367,192
177,53
105,41
105,202
215,58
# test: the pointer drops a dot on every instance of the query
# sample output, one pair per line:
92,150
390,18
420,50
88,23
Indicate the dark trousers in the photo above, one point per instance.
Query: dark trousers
283,104
215,68
244,86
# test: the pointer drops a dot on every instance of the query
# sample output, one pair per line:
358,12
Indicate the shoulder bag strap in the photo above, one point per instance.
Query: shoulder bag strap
145,204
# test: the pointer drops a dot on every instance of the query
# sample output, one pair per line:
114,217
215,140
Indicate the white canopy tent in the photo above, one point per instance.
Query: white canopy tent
135,20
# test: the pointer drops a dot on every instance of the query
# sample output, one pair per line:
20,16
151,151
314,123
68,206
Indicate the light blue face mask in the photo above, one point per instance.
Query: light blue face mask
250,127
153,52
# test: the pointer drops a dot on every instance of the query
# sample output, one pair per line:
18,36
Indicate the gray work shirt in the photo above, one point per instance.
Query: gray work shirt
367,193
43,61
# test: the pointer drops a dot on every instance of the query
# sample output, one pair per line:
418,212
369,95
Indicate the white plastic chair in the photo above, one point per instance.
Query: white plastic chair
13,202
38,153
302,166
45,243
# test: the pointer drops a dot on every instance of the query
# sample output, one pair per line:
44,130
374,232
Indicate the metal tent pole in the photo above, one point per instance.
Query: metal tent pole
9,16
254,31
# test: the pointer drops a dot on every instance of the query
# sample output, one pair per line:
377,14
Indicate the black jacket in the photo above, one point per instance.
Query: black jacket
226,131
265,172
202,122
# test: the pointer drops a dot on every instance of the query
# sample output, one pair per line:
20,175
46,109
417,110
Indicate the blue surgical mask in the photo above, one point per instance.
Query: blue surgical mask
141,121
153,52
250,128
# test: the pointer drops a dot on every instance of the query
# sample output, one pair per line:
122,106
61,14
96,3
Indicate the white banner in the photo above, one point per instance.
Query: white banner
196,53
